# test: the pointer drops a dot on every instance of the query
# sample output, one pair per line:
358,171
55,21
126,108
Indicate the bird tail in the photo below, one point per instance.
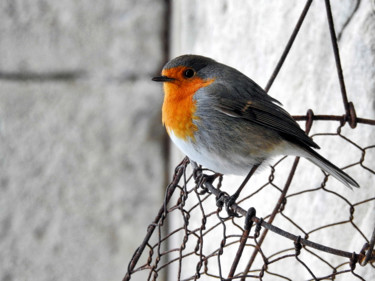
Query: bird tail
328,167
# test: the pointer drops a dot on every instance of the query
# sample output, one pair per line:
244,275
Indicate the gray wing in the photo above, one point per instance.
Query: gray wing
254,105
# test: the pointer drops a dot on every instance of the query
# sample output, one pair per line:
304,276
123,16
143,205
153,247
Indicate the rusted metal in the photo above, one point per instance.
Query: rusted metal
288,46
281,198
341,119
369,251
160,255
245,235
337,58
202,265
170,190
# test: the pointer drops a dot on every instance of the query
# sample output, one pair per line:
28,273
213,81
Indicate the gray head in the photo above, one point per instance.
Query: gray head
187,66
193,61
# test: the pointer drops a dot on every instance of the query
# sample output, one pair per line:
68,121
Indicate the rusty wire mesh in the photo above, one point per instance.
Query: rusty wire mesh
192,238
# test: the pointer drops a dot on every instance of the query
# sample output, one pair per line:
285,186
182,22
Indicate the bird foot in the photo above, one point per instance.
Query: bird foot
201,178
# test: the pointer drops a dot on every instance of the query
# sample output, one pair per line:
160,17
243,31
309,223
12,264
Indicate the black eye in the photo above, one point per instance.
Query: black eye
188,73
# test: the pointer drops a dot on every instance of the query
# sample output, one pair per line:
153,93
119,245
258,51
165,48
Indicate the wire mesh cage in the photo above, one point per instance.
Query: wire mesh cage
193,238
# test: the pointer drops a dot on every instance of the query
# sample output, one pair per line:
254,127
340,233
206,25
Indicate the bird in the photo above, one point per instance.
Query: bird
226,122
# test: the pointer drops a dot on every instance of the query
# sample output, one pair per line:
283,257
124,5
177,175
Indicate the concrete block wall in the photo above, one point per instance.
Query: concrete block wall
81,142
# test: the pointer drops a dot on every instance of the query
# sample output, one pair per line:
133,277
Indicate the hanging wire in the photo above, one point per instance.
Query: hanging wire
183,250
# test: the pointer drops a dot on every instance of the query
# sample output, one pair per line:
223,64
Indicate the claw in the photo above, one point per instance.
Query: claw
220,200
212,178
201,178
228,206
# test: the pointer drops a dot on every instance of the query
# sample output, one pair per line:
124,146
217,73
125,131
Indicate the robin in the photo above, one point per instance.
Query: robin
223,120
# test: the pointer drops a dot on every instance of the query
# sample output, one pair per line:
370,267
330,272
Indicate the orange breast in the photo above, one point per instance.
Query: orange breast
179,107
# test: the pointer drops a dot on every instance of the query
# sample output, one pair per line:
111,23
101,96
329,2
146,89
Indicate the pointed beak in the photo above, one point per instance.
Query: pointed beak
162,79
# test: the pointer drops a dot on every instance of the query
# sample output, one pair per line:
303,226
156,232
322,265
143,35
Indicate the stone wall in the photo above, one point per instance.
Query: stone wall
82,161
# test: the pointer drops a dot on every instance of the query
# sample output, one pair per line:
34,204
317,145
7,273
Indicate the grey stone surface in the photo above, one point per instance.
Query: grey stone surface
108,38
82,166
250,36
